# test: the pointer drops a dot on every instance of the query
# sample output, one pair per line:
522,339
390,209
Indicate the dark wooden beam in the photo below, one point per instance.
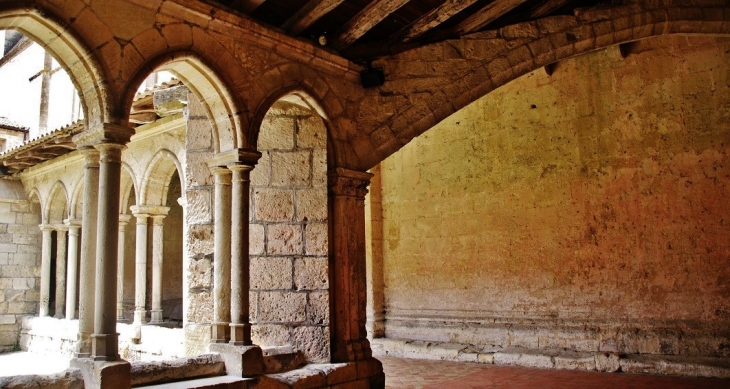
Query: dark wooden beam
366,19
486,15
546,8
433,18
247,6
307,15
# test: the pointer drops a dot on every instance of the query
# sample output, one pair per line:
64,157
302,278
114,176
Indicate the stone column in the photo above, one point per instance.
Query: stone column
222,256
157,261
104,340
347,190
87,272
240,282
60,271
375,277
123,220
46,245
140,265
72,266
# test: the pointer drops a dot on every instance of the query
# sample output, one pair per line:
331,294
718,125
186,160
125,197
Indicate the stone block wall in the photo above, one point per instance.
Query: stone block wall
20,262
288,230
198,229
587,210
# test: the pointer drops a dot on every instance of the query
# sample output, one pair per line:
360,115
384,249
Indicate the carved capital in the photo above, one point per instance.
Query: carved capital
106,133
350,183
235,157
91,155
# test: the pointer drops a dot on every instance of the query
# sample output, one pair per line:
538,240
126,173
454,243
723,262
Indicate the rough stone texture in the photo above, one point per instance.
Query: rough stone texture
288,233
147,373
587,214
70,379
19,268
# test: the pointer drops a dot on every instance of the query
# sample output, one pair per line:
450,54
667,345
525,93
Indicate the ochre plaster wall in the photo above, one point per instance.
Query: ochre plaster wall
586,210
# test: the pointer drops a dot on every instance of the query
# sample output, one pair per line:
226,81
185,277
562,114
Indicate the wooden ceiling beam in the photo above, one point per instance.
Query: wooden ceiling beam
307,15
366,19
547,8
247,6
486,15
432,19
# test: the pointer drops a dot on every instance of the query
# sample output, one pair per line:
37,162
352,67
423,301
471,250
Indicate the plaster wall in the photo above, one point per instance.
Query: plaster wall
585,210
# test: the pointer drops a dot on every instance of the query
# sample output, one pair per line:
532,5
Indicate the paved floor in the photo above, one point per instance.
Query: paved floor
22,363
401,373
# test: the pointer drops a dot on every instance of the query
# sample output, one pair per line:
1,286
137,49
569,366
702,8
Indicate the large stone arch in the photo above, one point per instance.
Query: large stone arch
209,85
74,55
294,80
156,180
56,209
458,72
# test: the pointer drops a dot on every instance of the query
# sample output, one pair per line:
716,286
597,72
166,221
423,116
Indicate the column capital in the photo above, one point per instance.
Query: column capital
234,157
72,223
149,210
91,155
59,227
45,227
104,134
349,183
124,219
157,218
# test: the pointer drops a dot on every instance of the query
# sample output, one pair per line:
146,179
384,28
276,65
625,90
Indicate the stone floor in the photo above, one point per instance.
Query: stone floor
24,363
403,373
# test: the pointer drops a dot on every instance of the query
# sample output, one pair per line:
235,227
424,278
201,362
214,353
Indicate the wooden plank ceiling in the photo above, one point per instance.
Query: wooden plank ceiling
361,30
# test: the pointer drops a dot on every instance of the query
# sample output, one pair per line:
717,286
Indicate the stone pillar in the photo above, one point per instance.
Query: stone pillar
157,262
375,277
72,267
123,220
222,256
347,190
140,265
104,340
240,282
87,272
46,245
60,271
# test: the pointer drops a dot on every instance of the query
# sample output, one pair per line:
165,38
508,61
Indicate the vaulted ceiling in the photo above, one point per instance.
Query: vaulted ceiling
364,29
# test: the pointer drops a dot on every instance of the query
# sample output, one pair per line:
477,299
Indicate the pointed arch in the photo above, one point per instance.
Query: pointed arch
70,52
57,207
128,186
76,200
156,180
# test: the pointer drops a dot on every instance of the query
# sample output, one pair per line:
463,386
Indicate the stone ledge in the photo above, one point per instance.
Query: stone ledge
553,358
148,373
69,379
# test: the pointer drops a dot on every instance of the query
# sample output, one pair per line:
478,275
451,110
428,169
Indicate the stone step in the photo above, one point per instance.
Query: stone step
282,359
553,358
221,382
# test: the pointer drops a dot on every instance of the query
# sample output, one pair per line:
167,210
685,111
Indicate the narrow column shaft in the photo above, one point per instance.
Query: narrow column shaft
60,271
140,267
222,257
347,262
72,268
157,258
45,270
87,271
123,220
104,339
240,282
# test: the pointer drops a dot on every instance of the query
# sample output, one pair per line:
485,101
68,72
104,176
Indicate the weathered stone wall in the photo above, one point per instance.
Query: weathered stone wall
198,229
289,280
20,262
584,210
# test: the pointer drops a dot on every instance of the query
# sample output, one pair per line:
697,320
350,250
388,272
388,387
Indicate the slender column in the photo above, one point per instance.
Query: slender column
157,258
222,257
104,340
72,267
140,266
240,282
347,190
45,270
87,272
123,220
60,271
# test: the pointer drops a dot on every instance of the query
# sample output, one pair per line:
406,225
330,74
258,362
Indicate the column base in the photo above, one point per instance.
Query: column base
139,316
156,316
220,332
241,334
104,375
241,361
353,350
105,347
83,345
